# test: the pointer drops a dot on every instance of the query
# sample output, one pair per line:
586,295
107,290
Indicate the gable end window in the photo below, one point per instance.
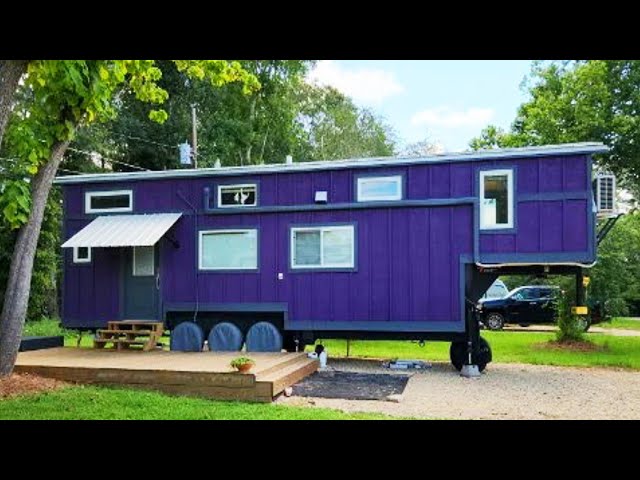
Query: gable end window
496,199
238,196
81,255
108,202
375,189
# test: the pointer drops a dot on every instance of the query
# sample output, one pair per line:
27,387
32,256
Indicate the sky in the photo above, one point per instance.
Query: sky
447,102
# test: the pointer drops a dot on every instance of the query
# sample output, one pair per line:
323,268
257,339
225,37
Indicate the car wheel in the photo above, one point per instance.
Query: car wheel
494,321
481,356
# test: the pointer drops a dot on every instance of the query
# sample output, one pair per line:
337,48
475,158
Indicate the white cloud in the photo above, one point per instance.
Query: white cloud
450,118
366,85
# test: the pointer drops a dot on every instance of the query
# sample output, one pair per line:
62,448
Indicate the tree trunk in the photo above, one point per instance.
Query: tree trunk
16,298
10,73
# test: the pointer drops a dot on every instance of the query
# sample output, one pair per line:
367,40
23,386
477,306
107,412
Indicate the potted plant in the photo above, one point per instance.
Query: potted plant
242,364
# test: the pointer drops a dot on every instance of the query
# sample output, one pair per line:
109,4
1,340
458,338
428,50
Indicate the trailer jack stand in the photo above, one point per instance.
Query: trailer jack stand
469,370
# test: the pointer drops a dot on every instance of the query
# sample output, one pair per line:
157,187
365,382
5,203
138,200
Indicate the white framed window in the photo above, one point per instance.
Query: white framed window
372,189
228,249
81,254
496,199
144,262
108,202
245,195
323,247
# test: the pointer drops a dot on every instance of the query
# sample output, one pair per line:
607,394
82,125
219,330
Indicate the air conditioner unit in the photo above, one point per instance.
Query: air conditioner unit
605,194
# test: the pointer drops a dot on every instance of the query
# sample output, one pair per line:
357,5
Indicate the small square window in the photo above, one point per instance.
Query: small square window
143,261
81,254
237,195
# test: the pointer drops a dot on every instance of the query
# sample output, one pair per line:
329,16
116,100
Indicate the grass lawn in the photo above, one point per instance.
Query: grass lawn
620,322
99,403
507,347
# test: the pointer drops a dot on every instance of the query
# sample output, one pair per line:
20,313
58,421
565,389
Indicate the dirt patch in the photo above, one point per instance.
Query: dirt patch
22,384
571,346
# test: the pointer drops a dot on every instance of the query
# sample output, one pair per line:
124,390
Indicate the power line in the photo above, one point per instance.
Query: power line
90,154
147,141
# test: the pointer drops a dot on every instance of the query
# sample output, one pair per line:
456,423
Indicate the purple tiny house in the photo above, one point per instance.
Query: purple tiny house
372,248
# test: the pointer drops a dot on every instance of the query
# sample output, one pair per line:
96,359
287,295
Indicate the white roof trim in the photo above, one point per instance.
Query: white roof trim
479,155
123,231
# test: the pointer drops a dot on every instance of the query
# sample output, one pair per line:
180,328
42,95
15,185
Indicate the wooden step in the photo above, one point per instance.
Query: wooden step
294,358
127,332
289,375
121,340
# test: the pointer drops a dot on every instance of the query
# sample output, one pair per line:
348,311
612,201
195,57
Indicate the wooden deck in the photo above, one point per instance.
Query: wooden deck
204,374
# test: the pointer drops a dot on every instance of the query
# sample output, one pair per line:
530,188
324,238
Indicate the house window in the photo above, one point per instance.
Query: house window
228,250
323,247
143,261
238,195
81,255
371,189
108,202
496,199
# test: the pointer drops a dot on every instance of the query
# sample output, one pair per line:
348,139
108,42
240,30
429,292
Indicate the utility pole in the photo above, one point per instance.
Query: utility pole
194,136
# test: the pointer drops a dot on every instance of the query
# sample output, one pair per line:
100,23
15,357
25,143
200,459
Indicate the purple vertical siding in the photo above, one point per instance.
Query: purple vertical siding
544,225
408,258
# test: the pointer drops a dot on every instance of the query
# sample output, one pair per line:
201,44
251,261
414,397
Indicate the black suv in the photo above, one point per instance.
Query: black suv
523,305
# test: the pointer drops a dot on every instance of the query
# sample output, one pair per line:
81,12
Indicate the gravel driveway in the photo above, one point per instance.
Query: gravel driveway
505,391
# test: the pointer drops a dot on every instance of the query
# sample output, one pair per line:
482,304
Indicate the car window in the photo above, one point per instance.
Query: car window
546,292
496,290
526,294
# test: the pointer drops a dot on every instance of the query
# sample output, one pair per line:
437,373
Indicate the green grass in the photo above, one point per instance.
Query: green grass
46,327
507,347
623,323
99,403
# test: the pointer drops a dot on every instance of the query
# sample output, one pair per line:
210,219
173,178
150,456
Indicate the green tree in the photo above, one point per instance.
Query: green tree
235,127
58,97
594,100
332,127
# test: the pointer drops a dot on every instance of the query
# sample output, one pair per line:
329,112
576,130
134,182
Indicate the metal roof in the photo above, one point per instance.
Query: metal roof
123,231
479,155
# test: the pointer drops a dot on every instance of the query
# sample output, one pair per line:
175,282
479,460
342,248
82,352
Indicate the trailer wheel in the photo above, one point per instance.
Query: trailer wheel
481,356
494,321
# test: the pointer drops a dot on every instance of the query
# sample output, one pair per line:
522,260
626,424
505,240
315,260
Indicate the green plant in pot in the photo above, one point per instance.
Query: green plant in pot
242,364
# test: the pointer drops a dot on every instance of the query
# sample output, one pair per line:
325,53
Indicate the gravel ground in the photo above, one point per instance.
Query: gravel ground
505,391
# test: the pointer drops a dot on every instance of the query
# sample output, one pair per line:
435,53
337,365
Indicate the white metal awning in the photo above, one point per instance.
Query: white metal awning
123,231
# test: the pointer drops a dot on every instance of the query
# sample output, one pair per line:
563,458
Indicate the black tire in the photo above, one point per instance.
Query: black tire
481,355
494,321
